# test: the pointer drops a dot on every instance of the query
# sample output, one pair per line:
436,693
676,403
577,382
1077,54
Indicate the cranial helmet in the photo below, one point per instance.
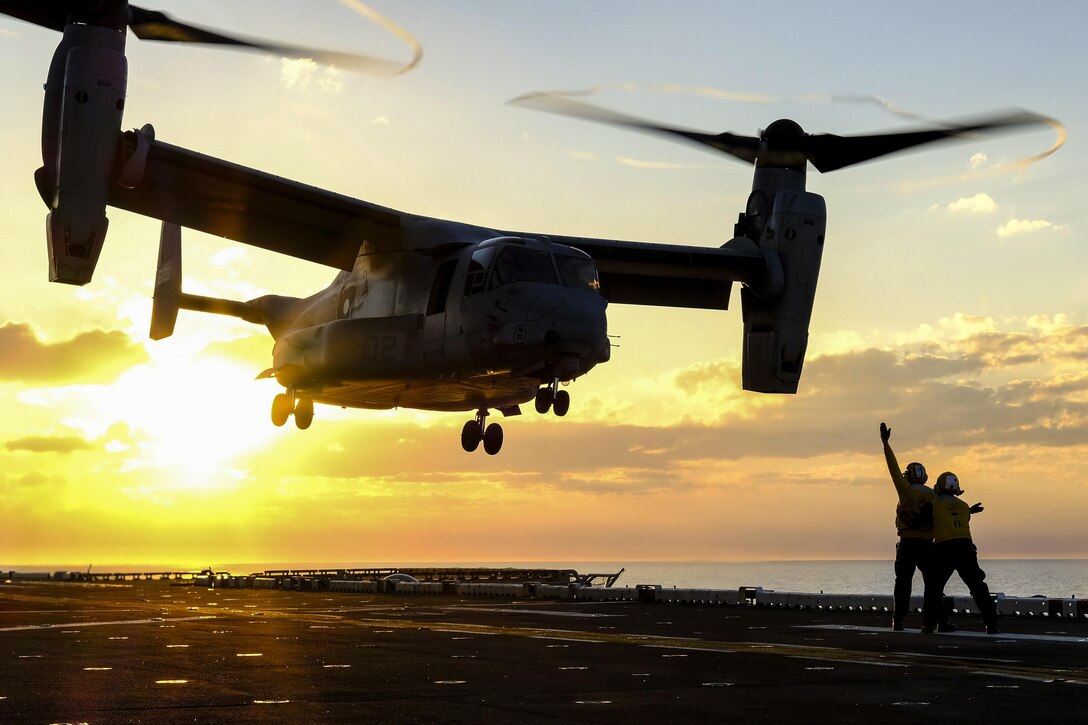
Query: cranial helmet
915,473
948,483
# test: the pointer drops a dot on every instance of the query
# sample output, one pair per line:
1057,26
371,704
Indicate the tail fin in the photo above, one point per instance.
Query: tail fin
168,295
167,299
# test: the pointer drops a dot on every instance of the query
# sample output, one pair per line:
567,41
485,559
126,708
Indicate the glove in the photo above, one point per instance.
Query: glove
977,508
885,433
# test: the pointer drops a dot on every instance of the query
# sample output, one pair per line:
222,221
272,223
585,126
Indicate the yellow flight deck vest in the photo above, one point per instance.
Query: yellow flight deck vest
913,513
951,519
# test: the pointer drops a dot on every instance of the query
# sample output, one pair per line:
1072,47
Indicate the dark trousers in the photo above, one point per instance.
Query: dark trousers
910,554
960,556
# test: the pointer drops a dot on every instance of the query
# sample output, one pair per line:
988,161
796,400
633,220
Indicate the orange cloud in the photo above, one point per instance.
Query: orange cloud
49,444
96,356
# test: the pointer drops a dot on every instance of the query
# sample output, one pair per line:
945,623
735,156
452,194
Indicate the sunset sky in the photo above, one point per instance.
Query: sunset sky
953,299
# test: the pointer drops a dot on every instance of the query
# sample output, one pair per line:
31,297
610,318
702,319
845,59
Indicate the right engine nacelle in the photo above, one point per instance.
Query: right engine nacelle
85,100
776,329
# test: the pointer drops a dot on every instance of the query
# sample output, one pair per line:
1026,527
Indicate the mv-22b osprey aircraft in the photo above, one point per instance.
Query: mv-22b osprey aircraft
426,313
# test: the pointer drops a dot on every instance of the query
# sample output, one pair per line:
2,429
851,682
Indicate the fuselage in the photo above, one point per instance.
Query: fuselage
481,326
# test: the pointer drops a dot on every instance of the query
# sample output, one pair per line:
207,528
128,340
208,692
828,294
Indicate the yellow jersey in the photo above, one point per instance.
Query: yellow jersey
951,519
914,512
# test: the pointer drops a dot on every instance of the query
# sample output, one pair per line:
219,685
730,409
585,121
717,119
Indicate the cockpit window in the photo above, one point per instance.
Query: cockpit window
476,276
518,264
577,272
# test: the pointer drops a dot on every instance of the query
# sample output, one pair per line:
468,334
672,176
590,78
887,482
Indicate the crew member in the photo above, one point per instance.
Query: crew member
914,523
953,550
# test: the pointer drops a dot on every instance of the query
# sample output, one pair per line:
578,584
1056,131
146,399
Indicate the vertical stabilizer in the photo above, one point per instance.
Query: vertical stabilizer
167,300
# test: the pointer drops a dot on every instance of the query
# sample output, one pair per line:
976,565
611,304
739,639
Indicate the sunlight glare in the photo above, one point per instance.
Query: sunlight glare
187,412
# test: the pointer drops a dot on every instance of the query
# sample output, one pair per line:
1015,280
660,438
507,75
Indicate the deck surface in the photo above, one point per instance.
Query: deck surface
149,652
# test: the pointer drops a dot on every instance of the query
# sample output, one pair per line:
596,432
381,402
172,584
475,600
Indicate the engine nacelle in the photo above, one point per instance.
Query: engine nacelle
776,329
80,151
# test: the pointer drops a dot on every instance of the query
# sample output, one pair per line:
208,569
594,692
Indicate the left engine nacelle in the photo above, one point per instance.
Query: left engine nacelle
85,100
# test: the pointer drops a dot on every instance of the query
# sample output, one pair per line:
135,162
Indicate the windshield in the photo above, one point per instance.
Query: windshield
577,272
518,264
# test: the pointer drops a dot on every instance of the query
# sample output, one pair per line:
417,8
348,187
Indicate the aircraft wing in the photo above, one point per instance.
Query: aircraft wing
218,197
670,275
228,200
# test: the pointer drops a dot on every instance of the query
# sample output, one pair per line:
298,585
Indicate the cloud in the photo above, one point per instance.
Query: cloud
711,92
1023,226
96,356
977,204
978,160
33,480
49,444
304,73
998,400
227,256
656,165
973,383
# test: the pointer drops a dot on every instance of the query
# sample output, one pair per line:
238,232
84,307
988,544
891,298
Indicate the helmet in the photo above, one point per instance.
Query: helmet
948,483
915,473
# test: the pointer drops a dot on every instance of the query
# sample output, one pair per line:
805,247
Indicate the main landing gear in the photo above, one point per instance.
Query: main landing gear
550,396
287,404
474,432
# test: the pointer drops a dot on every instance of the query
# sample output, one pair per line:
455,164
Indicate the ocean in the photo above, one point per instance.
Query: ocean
1013,577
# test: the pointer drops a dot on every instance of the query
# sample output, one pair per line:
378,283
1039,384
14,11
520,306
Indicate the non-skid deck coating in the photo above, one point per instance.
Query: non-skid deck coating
149,652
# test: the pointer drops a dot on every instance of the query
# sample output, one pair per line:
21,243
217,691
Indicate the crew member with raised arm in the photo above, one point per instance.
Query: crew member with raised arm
914,523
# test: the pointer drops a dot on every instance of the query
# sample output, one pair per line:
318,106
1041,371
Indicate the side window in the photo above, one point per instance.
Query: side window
476,277
440,290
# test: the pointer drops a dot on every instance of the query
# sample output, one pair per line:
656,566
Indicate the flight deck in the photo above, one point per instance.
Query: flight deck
162,651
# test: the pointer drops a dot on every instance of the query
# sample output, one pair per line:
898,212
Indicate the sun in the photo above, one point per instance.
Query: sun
193,414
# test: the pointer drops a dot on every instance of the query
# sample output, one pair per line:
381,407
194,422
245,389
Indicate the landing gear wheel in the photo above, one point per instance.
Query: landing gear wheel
493,439
304,413
470,436
543,400
562,403
281,409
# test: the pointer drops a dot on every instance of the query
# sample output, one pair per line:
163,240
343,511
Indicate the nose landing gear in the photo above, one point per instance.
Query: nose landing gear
550,396
474,432
287,404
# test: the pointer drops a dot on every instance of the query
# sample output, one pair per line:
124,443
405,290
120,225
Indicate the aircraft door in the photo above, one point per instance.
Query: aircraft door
434,322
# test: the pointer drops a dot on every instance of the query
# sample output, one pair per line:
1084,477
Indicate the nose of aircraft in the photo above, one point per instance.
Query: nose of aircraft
578,327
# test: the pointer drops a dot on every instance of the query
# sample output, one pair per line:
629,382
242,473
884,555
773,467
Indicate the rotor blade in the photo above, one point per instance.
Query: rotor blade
828,152
154,25
740,147
47,13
